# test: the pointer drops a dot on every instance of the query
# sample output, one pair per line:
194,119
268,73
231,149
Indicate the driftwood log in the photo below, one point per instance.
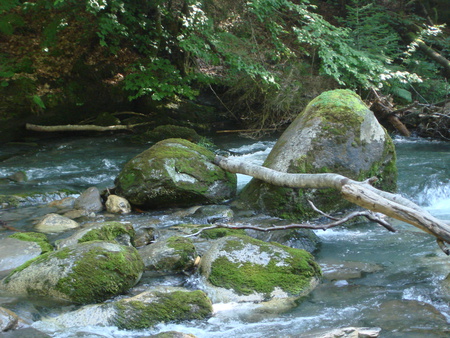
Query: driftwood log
81,127
359,193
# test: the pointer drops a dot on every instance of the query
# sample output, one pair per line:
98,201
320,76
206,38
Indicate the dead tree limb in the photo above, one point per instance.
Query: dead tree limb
432,54
81,127
359,193
337,221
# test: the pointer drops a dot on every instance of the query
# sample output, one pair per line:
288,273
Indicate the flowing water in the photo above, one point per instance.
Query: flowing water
373,278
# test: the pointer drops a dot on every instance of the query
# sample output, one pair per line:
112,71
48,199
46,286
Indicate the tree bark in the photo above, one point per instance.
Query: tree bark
359,193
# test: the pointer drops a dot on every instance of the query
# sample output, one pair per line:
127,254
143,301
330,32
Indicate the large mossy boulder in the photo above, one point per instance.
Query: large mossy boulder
143,311
241,268
174,172
336,133
90,272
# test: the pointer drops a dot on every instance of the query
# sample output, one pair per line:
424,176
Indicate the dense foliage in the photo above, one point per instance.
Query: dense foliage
265,58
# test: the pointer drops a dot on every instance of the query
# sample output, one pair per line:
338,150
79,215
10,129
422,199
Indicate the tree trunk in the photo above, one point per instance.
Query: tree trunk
360,193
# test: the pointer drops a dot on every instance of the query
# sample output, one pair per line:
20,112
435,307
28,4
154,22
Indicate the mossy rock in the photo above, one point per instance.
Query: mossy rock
174,254
87,273
122,233
170,131
10,201
241,268
36,237
336,133
174,172
143,311
106,119
154,307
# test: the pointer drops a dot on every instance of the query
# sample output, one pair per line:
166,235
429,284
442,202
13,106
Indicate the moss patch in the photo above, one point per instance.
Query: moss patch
39,238
109,232
166,307
173,172
183,255
100,274
292,274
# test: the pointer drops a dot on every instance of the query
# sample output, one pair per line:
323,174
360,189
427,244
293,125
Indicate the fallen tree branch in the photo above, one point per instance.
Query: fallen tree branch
337,221
359,193
81,127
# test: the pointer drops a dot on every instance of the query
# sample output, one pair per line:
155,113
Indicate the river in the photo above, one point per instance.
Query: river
374,278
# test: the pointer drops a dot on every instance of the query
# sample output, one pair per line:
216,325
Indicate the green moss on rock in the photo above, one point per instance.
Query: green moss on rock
174,172
39,238
336,133
248,265
162,308
100,274
109,232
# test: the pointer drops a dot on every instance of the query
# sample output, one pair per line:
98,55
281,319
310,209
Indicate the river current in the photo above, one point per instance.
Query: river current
374,278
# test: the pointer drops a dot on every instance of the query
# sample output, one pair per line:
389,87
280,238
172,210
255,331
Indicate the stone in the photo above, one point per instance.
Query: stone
14,252
174,254
336,133
243,269
89,200
64,203
90,272
143,311
117,205
51,223
122,233
174,172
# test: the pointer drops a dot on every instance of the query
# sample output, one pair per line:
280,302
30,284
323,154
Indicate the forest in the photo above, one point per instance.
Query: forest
66,61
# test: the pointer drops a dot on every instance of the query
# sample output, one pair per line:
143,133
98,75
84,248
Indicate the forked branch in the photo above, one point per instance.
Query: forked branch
337,221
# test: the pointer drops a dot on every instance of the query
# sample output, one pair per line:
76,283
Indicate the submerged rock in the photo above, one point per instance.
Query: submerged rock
245,269
8,320
336,133
163,305
87,273
345,332
174,172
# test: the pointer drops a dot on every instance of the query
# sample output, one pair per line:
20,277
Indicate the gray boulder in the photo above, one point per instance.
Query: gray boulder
20,247
174,172
336,133
89,200
244,269
90,272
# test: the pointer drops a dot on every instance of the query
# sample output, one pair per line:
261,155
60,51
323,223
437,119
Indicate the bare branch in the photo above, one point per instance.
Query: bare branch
337,221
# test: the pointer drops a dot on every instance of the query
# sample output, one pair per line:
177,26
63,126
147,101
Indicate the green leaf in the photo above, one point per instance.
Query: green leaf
37,99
